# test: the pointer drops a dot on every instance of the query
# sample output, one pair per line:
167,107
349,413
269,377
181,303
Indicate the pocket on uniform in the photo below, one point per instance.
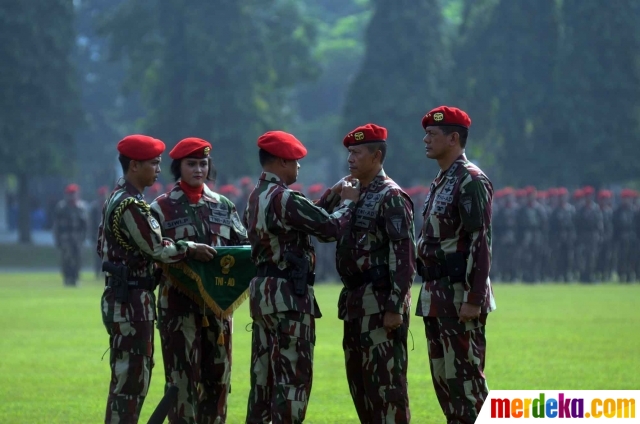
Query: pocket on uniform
133,337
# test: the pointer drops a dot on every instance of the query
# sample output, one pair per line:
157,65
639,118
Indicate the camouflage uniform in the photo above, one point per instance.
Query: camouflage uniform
69,232
196,359
376,260
130,324
506,240
562,241
605,256
531,225
95,216
589,230
457,224
279,220
626,240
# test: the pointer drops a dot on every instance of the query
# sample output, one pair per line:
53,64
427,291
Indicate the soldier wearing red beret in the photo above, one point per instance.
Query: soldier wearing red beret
589,232
533,231
455,249
376,262
129,242
281,300
604,267
95,216
70,225
196,351
624,227
562,244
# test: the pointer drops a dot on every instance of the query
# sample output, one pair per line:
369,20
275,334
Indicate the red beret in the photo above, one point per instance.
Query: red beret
530,189
72,188
578,193
245,181
445,115
562,191
542,194
229,189
552,192
605,194
508,190
628,193
282,145
370,133
191,147
588,190
103,190
521,192
499,194
140,147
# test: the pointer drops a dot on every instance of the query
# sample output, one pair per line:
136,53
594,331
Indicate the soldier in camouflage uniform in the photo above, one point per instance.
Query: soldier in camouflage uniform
589,230
625,236
604,268
376,260
129,241
455,249
563,237
95,216
531,224
197,358
281,301
70,224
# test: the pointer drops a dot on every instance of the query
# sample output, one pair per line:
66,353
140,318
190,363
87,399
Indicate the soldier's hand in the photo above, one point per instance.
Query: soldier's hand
337,187
203,252
391,320
468,312
350,190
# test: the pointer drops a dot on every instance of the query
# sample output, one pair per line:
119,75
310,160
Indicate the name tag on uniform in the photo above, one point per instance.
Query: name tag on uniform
445,198
219,220
175,223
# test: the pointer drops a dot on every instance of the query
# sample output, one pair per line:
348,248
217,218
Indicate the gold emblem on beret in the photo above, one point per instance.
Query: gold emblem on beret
438,116
359,136
207,150
226,263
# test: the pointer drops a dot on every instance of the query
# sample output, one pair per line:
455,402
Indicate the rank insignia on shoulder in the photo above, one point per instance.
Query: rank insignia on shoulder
154,223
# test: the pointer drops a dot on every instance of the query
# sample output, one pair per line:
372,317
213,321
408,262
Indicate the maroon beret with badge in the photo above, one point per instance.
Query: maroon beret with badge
445,115
140,147
282,145
191,147
369,133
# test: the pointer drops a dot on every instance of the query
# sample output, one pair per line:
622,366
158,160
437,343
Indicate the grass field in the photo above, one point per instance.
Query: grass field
551,337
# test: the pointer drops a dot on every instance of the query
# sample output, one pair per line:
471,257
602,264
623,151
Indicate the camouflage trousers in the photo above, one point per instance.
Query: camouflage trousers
376,365
131,361
456,359
281,367
70,261
198,361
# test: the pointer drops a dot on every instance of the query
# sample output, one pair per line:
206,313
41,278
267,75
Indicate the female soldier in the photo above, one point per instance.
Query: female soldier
197,357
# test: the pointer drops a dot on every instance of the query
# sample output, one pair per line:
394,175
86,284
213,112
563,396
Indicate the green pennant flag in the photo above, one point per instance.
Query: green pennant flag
221,284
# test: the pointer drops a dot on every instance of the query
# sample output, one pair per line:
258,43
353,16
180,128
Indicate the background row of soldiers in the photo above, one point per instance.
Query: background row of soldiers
538,235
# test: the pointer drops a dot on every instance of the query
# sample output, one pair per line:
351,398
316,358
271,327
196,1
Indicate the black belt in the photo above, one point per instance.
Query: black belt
272,270
141,283
378,275
431,273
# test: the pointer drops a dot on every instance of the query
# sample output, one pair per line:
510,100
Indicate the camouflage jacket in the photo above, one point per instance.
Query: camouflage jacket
380,233
70,222
280,220
457,218
213,221
622,219
589,222
141,232
562,222
506,224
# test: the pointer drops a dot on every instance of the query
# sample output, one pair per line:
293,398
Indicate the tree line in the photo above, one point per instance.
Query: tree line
550,85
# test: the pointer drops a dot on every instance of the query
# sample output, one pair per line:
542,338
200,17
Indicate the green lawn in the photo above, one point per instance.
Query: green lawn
541,337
